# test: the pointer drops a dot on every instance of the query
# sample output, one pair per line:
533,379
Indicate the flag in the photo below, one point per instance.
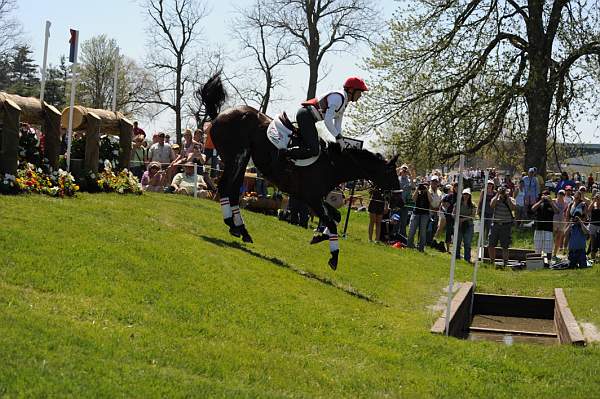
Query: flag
73,50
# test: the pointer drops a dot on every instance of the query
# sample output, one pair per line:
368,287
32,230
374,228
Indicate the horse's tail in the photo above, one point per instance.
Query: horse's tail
213,95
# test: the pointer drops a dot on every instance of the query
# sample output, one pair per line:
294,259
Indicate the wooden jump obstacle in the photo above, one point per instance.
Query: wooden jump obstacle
94,121
15,110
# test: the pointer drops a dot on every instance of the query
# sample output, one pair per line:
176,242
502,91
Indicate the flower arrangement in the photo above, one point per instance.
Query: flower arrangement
33,180
109,149
123,182
30,147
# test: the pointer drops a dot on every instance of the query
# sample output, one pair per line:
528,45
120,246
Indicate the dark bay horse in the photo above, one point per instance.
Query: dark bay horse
241,132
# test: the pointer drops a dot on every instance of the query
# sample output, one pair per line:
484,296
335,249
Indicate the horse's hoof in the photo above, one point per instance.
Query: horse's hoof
319,238
246,236
235,231
333,261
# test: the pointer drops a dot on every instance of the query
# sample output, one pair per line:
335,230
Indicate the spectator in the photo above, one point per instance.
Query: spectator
152,179
188,142
559,223
531,189
376,210
184,182
136,131
176,149
168,139
137,164
564,182
199,136
569,195
509,184
155,137
420,216
578,205
209,150
577,233
448,202
501,229
406,187
519,196
583,191
593,213
590,182
544,209
299,212
161,152
436,200
465,229
489,212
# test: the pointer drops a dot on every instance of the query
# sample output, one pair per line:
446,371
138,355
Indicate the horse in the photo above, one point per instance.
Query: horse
240,132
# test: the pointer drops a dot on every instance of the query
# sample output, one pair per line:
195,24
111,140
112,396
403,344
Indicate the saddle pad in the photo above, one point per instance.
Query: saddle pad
278,134
280,137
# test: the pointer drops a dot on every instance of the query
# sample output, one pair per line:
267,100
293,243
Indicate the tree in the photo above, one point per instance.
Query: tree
322,26
461,75
23,74
96,77
269,48
10,28
173,30
57,78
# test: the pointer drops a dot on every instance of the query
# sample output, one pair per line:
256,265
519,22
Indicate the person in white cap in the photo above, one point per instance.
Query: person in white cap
465,229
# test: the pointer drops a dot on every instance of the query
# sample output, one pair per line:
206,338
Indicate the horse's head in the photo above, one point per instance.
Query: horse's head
385,176
373,167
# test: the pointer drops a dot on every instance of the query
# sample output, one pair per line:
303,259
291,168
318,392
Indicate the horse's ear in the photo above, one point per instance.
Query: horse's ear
393,160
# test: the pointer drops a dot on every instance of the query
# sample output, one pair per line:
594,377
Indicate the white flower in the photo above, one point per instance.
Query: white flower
115,152
93,175
39,170
120,190
22,153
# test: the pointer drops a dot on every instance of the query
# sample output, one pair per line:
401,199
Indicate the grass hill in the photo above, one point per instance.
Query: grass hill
105,296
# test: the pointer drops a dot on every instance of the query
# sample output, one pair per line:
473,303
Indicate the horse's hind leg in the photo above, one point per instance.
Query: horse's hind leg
330,232
237,227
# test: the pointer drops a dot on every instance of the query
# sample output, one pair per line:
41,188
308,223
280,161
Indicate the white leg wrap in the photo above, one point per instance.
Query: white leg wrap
225,208
333,243
237,217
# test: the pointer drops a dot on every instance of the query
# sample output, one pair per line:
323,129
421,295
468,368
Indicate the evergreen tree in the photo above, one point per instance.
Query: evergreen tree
57,78
4,72
23,75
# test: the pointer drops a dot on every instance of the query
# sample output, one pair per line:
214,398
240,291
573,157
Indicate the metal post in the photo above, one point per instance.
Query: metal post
349,207
72,102
481,238
115,81
455,241
43,86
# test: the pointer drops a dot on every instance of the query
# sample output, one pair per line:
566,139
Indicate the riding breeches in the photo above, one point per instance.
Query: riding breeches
308,134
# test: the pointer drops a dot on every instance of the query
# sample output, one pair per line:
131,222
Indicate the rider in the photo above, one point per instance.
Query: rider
328,108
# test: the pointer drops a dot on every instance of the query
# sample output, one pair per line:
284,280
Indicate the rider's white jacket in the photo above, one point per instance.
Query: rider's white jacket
333,105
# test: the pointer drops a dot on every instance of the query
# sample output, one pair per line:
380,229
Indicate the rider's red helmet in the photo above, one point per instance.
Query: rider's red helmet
356,83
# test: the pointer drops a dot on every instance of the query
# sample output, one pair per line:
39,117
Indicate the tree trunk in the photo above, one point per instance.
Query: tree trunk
178,95
267,97
313,78
537,131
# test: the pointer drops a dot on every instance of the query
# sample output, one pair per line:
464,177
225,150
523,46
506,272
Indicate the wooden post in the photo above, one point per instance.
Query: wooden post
9,137
125,139
92,143
51,129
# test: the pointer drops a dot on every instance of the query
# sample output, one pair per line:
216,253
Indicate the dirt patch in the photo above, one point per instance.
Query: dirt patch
590,332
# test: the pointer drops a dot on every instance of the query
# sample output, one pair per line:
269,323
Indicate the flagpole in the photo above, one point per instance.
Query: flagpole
115,80
43,88
72,103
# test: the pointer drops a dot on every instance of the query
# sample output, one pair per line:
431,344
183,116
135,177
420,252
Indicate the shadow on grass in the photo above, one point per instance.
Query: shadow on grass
348,289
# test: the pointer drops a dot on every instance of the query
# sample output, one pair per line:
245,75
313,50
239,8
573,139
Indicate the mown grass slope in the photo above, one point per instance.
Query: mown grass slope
104,296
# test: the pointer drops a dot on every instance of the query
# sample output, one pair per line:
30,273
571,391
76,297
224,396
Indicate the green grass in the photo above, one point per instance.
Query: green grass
109,296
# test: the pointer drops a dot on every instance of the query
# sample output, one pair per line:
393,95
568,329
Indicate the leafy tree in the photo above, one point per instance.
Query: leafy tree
319,27
23,73
456,76
10,28
57,84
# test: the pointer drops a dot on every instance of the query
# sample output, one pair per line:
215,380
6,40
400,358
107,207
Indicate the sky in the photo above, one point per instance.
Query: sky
124,20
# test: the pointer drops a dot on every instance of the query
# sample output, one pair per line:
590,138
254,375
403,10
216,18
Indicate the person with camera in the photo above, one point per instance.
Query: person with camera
501,228
544,210
578,234
420,216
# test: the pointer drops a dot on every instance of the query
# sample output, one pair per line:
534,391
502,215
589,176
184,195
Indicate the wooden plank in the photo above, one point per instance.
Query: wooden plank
517,254
515,306
459,314
566,325
509,331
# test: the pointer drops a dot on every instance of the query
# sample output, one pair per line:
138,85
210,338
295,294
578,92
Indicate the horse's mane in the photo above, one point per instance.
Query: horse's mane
359,154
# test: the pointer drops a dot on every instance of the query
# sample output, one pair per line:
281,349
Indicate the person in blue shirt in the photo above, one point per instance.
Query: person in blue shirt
564,182
578,234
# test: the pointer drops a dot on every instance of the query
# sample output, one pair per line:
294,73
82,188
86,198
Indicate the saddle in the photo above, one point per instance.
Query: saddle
285,121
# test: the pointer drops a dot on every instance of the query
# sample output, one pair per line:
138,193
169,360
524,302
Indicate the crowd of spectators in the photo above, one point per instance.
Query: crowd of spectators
163,166
565,220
